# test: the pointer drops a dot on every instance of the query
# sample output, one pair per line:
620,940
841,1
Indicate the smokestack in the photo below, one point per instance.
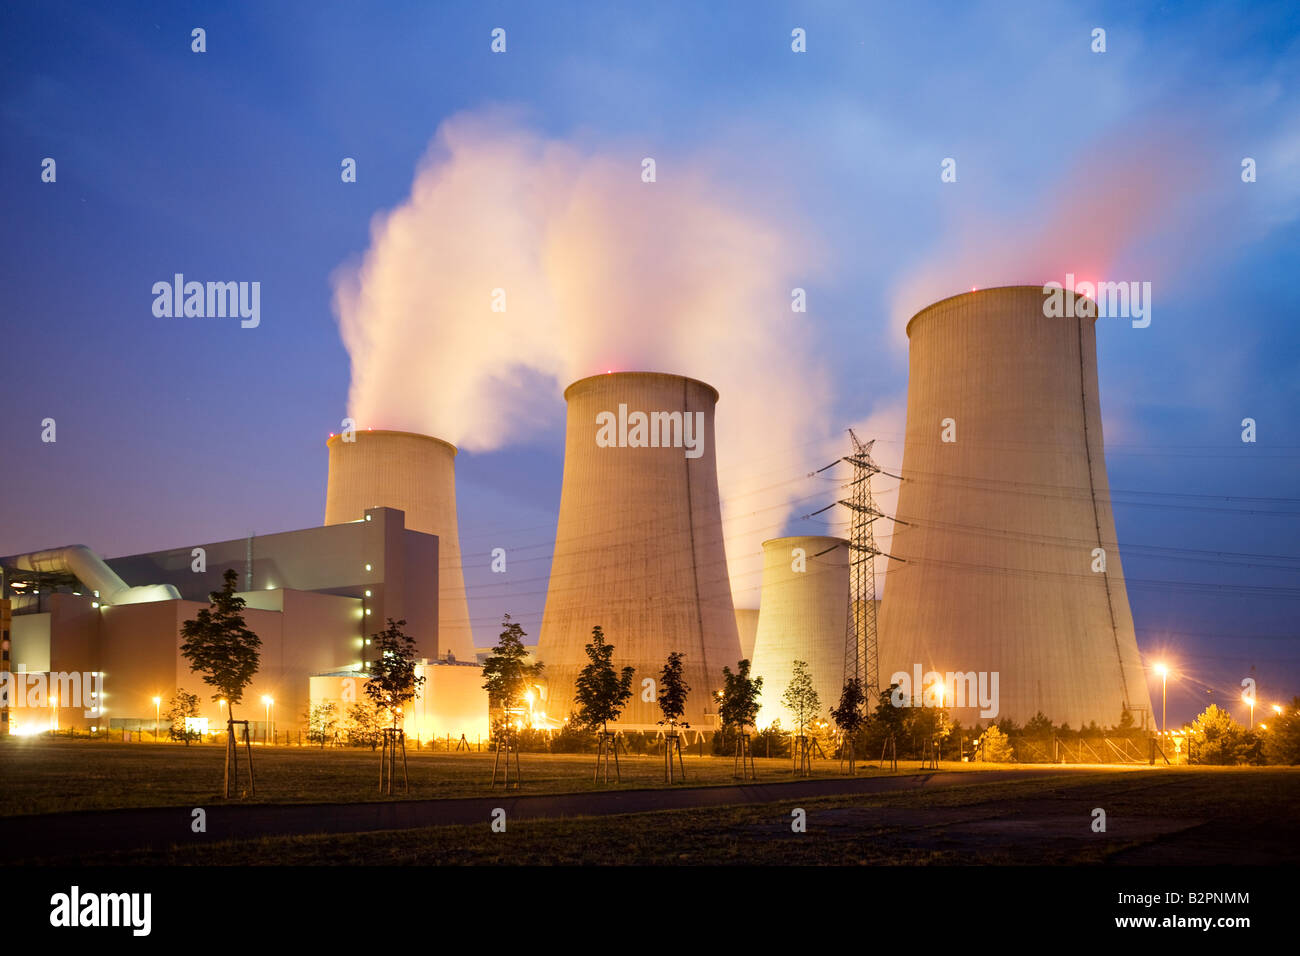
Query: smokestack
803,616
416,474
638,547
1008,516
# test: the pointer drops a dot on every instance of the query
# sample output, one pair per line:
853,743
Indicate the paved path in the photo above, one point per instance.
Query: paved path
62,835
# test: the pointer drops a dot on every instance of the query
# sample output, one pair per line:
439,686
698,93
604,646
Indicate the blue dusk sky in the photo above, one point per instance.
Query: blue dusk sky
224,165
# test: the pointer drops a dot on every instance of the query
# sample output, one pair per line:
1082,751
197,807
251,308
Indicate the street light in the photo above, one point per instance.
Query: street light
1277,709
942,690
1164,680
268,701
157,704
1249,700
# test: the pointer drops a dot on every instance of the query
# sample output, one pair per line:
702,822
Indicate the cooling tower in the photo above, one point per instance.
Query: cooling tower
747,625
1005,519
638,546
417,474
802,616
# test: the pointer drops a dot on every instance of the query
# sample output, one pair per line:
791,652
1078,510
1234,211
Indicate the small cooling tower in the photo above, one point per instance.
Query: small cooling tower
638,546
416,474
747,625
1007,519
802,616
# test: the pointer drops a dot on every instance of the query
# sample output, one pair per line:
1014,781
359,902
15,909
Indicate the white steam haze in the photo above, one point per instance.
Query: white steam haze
689,275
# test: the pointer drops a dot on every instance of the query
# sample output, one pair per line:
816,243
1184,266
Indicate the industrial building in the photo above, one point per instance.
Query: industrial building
1007,560
802,616
313,597
638,544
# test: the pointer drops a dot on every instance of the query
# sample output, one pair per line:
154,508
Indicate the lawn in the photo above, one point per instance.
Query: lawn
43,775
1173,816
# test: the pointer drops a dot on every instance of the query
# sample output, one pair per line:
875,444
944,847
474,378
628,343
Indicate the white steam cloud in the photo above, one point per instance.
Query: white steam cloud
600,271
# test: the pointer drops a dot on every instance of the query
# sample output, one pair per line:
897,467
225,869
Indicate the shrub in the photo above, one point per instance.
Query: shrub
993,747
1216,738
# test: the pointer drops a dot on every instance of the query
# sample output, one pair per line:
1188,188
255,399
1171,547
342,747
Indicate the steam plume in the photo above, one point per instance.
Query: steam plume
600,271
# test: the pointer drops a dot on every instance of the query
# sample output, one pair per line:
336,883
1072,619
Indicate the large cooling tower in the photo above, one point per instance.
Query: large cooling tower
638,547
802,616
417,474
1004,520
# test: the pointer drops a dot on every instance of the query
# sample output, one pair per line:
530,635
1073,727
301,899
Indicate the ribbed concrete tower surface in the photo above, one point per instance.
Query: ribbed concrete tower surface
416,474
1004,521
802,616
638,545
747,625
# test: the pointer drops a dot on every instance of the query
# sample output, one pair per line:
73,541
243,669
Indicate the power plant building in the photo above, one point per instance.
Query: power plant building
639,548
1009,563
314,598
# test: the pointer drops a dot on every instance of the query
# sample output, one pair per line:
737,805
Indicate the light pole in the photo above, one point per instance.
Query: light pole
157,705
1250,702
942,690
1164,680
54,712
266,736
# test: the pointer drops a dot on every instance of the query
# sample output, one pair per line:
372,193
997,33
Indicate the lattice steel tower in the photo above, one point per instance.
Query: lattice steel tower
861,654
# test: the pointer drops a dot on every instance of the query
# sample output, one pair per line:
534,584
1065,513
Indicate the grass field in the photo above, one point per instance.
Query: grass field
1180,817
41,775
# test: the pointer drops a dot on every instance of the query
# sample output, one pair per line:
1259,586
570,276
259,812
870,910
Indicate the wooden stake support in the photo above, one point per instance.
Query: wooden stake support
232,760
743,767
673,745
607,744
889,748
505,744
394,740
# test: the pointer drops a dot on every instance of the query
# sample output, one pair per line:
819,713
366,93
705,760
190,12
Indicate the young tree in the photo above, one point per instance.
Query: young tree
507,676
673,691
804,703
391,686
601,693
739,705
223,651
888,722
182,704
849,716
363,725
393,682
322,723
